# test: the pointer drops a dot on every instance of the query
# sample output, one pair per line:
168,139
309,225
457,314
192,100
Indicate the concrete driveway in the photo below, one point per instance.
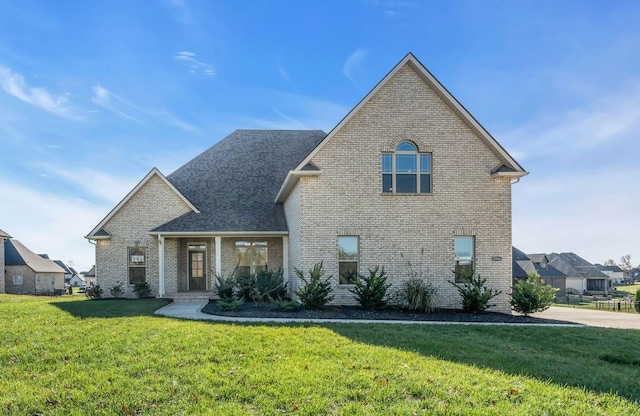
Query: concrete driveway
592,318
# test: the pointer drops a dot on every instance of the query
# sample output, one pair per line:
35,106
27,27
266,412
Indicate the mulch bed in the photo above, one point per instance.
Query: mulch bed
268,310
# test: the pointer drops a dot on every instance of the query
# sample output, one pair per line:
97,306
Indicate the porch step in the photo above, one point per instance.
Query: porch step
189,296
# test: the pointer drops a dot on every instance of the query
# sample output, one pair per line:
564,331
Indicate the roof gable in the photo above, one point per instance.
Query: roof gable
509,167
98,233
16,254
4,235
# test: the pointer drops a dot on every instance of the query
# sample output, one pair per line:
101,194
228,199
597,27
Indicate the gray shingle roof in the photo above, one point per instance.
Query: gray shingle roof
235,182
16,254
615,269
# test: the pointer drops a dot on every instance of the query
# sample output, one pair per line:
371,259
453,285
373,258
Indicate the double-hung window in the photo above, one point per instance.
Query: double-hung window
464,247
137,261
406,171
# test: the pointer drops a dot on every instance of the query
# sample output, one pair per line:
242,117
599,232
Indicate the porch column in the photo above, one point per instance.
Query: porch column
218,256
160,266
285,257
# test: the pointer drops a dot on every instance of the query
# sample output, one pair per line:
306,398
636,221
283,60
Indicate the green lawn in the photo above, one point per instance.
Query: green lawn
73,356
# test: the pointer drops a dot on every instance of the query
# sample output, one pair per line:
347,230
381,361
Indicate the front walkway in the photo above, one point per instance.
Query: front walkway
580,317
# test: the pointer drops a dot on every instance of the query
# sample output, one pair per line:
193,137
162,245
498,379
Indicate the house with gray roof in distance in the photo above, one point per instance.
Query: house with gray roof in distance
524,265
615,273
29,273
407,174
582,276
71,278
3,236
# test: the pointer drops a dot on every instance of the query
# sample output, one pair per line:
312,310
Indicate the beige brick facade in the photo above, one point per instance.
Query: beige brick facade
347,199
32,282
154,204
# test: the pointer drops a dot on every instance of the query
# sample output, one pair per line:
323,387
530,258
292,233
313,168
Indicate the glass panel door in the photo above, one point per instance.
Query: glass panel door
197,270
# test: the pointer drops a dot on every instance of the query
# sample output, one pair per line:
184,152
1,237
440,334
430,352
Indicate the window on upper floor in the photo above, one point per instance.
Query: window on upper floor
406,170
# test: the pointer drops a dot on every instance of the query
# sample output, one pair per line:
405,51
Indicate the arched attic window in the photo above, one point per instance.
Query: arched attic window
406,170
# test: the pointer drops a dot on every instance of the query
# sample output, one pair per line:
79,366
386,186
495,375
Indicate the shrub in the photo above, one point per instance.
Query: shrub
532,295
117,290
224,286
371,291
286,305
270,284
417,295
143,290
475,295
316,291
246,284
637,300
230,304
94,292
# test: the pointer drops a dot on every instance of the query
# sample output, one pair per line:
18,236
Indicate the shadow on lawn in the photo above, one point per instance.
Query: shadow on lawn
597,359
111,308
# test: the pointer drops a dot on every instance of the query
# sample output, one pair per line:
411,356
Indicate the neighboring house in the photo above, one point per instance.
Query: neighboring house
582,276
407,175
3,236
634,274
90,276
524,265
615,273
27,272
71,278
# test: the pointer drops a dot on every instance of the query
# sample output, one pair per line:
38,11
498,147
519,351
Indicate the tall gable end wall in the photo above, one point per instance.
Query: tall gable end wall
395,229
154,204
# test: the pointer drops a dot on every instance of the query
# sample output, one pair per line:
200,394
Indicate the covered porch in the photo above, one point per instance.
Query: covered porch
189,263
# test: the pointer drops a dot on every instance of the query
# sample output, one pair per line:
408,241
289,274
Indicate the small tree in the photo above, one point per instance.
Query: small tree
271,284
94,292
637,300
371,291
224,286
316,291
117,290
475,295
246,283
143,290
532,295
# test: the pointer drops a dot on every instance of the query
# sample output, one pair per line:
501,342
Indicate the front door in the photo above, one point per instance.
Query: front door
197,270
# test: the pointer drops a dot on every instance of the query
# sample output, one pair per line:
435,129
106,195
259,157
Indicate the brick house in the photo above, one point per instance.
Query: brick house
3,236
407,175
27,272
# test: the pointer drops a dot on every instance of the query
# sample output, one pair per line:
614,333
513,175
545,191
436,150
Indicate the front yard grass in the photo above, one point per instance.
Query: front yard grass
73,356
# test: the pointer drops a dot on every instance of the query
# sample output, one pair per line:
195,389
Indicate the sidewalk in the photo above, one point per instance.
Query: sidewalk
581,317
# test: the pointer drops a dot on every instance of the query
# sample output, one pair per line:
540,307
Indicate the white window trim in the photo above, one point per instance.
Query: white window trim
17,279
417,173
130,265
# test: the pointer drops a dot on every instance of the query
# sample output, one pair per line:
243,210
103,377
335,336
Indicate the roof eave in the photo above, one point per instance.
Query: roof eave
154,171
509,174
218,233
291,180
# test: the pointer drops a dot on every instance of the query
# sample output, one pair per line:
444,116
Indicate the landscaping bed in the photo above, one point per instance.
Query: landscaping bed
269,310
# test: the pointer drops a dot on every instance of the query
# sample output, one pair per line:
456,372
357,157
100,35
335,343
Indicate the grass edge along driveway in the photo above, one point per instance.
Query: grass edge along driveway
74,356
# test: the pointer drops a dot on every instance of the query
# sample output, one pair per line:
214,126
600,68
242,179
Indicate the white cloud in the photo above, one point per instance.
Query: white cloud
611,117
125,108
13,84
109,188
593,214
353,65
189,60
103,98
50,223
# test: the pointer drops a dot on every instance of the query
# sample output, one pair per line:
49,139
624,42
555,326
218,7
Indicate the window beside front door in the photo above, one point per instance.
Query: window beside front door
251,256
137,262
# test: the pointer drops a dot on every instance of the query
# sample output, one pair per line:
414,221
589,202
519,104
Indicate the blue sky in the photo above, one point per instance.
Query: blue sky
93,94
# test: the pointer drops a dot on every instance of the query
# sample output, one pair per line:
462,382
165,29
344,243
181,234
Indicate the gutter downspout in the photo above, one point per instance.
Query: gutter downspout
161,291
